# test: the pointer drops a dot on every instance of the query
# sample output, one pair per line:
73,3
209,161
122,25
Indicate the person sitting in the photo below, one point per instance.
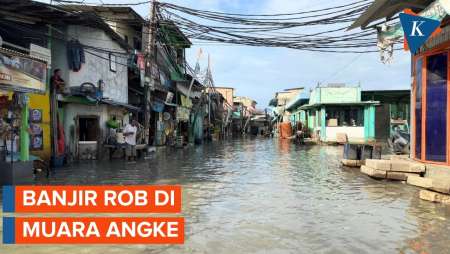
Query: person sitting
57,82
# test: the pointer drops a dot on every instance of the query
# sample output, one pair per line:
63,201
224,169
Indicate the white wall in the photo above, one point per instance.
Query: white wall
353,133
103,111
96,68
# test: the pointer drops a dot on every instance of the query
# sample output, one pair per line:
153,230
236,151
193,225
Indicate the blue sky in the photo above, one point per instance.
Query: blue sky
260,72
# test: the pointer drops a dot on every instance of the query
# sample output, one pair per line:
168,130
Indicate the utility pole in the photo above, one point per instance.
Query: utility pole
150,63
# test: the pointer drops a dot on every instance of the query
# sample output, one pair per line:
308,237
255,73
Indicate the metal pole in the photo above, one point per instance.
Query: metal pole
209,114
53,103
12,131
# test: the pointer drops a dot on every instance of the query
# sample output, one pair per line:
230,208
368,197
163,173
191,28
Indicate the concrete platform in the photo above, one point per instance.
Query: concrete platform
372,172
351,163
397,165
399,176
419,181
437,171
434,197
379,164
441,185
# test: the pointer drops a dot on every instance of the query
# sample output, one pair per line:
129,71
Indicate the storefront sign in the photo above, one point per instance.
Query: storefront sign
36,137
183,114
417,30
41,53
36,115
19,73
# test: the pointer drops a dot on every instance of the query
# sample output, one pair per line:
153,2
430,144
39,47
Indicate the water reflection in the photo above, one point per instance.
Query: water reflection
270,196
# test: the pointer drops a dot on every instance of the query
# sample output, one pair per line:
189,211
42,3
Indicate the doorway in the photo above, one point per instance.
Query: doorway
88,128
88,137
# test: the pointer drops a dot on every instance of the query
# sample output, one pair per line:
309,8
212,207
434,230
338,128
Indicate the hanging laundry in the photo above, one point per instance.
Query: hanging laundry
75,55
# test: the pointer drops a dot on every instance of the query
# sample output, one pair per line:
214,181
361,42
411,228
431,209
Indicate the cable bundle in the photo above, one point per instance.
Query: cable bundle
275,30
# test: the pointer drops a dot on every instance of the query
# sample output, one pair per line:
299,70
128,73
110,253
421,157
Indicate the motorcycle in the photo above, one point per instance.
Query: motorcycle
399,139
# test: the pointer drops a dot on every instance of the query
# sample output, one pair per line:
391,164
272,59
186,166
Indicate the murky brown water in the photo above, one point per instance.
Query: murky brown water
267,196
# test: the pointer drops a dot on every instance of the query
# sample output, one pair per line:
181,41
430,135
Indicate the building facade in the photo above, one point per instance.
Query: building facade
430,106
339,110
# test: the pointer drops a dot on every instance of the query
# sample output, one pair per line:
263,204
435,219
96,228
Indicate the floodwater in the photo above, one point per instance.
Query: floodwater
271,196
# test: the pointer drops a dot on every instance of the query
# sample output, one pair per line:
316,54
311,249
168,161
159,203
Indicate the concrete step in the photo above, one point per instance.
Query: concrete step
434,196
384,165
399,176
397,165
407,166
372,172
441,185
351,163
419,181
437,171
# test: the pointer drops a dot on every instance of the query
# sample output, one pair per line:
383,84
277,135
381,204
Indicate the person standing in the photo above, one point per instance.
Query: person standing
57,82
129,132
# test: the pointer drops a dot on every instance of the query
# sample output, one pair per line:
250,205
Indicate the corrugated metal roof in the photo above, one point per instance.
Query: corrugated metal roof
58,15
381,9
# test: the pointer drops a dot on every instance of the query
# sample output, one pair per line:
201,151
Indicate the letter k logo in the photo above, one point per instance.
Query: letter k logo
417,30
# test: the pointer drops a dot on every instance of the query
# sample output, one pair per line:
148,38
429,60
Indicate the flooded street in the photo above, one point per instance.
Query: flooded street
270,196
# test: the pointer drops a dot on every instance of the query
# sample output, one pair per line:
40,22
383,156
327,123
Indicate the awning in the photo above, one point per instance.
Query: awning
185,91
87,101
381,9
119,104
76,99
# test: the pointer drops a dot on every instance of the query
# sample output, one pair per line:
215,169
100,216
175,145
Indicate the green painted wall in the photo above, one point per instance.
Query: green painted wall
303,116
311,120
323,133
369,122
339,94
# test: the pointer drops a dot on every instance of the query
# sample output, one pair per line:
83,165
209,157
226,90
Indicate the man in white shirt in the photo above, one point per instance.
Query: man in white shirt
129,132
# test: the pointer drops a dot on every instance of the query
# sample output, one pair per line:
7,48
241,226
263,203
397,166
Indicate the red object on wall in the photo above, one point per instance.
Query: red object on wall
141,61
61,141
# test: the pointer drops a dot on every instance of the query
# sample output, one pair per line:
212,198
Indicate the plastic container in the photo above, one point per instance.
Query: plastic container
57,161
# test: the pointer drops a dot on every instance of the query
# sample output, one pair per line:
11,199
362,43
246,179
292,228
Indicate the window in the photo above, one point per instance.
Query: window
345,116
112,62
137,43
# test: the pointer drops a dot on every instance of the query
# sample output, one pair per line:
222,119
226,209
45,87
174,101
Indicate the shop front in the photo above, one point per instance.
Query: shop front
430,102
21,130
